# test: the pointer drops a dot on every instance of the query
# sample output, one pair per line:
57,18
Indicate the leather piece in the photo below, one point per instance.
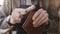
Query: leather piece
28,26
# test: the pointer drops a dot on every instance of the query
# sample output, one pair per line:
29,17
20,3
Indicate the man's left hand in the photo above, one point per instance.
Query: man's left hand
40,17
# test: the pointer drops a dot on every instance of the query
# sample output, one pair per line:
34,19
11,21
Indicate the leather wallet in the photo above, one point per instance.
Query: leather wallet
28,26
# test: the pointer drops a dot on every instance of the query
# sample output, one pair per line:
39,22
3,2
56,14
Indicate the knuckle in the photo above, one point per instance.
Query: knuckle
47,14
45,11
39,9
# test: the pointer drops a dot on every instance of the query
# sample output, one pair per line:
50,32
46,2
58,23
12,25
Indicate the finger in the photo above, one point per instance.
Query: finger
38,18
42,21
45,21
44,17
30,8
27,10
17,19
24,11
37,14
39,21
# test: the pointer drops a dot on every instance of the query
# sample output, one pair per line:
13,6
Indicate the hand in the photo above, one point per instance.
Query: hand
17,15
40,17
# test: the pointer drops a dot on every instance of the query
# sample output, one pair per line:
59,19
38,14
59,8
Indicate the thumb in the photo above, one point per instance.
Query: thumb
27,10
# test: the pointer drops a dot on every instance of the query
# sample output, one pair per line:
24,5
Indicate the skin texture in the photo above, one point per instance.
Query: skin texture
40,17
18,13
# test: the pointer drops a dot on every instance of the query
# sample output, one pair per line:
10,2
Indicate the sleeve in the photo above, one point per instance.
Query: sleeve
4,19
53,22
4,23
4,14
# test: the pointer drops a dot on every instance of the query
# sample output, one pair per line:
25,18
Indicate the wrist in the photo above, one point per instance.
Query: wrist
11,20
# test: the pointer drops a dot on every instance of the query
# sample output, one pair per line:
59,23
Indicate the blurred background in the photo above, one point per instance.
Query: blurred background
1,2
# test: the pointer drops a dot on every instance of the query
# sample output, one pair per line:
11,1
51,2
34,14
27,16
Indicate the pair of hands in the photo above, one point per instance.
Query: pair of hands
39,18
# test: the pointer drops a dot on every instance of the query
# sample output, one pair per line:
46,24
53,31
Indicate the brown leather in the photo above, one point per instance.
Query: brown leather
28,26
